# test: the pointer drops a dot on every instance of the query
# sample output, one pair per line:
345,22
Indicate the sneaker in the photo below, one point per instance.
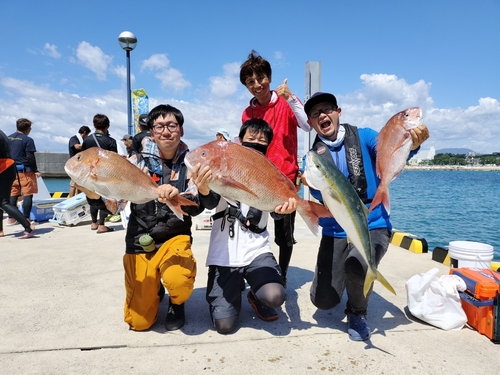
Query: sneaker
175,317
357,327
11,222
264,312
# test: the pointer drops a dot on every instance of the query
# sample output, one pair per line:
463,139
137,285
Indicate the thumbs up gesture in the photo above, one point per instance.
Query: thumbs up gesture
283,90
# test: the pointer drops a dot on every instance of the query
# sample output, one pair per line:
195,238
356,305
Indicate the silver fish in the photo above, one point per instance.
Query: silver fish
341,199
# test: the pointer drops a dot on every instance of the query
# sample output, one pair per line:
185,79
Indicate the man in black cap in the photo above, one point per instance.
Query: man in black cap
340,266
137,139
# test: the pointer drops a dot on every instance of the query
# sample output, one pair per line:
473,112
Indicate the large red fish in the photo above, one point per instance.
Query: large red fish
114,177
245,175
394,144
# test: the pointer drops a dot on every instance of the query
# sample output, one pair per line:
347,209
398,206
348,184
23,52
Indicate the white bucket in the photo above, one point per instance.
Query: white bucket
470,254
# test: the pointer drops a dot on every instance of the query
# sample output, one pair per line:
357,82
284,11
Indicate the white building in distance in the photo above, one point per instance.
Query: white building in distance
423,155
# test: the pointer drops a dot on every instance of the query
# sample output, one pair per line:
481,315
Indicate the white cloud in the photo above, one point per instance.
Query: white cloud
58,115
170,78
383,95
227,84
93,58
51,50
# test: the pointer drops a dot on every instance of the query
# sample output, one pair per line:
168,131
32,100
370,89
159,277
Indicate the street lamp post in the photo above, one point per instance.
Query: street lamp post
128,42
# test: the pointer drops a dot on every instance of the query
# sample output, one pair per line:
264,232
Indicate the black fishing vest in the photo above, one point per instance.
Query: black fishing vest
354,158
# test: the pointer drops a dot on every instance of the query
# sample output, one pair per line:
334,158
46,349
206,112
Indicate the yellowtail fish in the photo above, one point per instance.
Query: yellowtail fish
350,212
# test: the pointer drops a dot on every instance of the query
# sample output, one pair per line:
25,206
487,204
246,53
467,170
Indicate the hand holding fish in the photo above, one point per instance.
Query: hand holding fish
283,90
419,135
167,192
202,178
287,207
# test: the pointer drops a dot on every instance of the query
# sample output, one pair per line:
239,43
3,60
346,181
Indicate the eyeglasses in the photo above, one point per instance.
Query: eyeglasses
171,126
326,110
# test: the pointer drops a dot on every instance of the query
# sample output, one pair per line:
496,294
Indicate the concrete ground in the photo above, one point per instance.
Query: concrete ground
61,309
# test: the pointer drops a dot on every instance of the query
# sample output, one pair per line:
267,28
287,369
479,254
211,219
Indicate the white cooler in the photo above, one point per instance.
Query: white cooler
71,211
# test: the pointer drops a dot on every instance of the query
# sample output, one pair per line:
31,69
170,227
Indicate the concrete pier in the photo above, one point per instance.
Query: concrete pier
51,164
62,296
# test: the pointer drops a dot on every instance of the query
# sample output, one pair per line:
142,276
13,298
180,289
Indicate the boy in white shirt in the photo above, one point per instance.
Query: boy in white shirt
239,247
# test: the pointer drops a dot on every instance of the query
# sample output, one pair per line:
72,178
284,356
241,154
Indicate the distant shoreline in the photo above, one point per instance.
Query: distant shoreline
451,168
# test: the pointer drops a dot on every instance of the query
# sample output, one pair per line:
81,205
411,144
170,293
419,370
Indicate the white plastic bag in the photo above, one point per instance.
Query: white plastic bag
436,301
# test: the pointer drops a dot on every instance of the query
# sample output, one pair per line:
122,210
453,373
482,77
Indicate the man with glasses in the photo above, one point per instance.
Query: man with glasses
339,265
285,113
158,244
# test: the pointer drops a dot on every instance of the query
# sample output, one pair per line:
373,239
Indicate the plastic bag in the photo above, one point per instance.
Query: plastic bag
436,300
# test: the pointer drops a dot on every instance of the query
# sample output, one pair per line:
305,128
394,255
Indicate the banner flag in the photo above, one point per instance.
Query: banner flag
140,105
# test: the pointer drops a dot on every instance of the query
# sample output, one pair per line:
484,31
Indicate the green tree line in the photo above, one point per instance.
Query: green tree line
462,159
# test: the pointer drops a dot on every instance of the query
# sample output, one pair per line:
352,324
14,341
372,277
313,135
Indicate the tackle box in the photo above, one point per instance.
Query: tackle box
481,300
71,211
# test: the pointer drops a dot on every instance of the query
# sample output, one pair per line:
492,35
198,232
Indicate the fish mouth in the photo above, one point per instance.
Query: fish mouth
188,164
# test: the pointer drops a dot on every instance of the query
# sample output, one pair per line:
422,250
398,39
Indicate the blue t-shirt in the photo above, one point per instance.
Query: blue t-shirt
378,218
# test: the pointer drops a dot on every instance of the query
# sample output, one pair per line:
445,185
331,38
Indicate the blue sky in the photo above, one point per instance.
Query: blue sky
60,62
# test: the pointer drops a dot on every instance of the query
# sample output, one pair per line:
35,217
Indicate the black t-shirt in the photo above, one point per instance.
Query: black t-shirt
72,142
4,146
104,141
23,150
137,140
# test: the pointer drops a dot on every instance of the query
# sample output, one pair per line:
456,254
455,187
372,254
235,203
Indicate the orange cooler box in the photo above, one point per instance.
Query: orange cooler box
481,300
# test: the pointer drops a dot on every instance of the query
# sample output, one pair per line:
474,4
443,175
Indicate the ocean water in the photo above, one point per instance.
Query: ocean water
440,206
444,206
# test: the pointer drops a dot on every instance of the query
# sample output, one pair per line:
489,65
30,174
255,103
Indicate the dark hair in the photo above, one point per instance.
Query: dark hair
255,64
163,110
84,129
101,122
257,125
23,125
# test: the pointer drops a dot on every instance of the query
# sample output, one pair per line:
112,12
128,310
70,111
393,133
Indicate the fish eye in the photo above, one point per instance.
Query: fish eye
203,153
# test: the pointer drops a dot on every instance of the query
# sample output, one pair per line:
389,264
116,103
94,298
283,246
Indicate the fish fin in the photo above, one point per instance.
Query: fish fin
235,184
311,212
374,274
401,142
381,197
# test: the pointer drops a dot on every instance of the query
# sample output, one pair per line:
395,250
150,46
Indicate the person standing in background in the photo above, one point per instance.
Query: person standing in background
23,152
99,138
75,146
222,135
127,141
285,113
145,132
7,177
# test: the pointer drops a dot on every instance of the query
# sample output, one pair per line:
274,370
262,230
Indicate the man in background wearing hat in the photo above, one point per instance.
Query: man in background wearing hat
137,139
223,135
340,266
127,141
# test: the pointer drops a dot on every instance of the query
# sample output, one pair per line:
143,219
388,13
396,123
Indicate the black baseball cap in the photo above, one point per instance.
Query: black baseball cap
319,97
143,120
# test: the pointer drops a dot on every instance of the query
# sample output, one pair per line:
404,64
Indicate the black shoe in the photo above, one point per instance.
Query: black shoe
264,312
175,317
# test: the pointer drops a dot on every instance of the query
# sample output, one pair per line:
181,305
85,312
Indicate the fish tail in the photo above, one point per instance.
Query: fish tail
176,203
371,276
311,212
381,197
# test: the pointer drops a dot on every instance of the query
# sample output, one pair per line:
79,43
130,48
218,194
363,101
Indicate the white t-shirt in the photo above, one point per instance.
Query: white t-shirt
245,245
